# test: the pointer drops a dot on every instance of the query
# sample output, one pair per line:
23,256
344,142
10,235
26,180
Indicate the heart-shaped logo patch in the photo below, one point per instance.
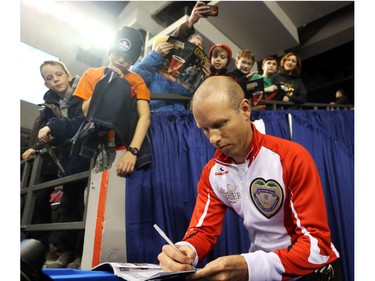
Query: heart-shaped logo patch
267,196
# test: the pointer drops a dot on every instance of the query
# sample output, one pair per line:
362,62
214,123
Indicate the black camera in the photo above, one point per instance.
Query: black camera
214,12
32,260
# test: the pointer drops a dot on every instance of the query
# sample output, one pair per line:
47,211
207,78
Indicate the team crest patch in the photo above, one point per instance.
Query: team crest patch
267,196
124,44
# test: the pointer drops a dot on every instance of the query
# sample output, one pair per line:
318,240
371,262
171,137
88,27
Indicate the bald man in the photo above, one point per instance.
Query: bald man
271,183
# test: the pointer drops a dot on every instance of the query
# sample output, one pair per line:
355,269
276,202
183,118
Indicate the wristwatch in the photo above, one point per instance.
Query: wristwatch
133,150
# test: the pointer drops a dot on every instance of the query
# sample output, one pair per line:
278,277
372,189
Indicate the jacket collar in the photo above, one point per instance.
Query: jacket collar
53,97
238,73
255,145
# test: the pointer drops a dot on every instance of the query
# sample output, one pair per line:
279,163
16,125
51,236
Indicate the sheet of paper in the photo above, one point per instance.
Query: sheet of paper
139,271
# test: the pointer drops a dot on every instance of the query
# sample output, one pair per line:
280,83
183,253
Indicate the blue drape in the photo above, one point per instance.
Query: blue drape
165,193
329,136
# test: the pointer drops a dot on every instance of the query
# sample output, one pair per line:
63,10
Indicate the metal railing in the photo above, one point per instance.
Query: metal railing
270,105
275,105
30,175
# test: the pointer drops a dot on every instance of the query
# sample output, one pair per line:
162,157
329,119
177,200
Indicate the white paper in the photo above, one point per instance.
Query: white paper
139,271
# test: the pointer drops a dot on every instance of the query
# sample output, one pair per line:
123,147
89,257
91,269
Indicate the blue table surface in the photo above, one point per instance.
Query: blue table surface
77,274
68,274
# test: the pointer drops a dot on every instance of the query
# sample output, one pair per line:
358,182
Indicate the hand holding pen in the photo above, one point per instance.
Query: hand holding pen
169,261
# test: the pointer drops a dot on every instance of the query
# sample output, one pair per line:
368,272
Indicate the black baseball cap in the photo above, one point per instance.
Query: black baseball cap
128,42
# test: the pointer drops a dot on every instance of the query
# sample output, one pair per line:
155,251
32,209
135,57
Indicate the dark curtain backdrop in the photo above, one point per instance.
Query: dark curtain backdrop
329,136
165,193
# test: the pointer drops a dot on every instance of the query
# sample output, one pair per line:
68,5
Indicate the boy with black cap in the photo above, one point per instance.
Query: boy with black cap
123,52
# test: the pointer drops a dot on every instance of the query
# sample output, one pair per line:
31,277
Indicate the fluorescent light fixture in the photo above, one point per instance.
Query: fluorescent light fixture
96,32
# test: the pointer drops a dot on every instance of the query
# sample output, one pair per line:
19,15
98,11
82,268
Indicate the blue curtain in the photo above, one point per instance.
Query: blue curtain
165,193
329,136
275,122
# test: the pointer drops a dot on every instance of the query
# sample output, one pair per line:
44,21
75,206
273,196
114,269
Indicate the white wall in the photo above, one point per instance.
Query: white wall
29,112
58,37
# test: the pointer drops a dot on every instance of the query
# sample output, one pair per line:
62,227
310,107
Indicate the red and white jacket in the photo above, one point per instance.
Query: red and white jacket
278,194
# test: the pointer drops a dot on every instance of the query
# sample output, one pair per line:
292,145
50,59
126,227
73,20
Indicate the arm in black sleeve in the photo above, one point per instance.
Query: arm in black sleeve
183,31
301,96
63,129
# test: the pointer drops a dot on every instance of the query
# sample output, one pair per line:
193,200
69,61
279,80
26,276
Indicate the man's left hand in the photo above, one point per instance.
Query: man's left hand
224,268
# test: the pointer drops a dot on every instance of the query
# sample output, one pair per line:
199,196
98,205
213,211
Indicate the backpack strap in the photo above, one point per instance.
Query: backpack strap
55,109
68,95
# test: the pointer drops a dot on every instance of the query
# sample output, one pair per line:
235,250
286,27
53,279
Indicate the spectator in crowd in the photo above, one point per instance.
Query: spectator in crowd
148,67
288,230
243,65
269,67
289,84
197,40
48,171
242,73
187,30
341,98
125,89
220,56
63,115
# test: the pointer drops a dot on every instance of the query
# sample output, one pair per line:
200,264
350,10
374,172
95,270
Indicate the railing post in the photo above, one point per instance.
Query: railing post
28,208
32,186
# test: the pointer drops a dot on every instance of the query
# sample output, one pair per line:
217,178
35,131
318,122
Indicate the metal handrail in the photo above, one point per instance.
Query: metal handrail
312,105
30,176
272,104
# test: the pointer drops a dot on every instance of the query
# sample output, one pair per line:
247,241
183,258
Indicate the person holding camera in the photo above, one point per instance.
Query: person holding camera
186,30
